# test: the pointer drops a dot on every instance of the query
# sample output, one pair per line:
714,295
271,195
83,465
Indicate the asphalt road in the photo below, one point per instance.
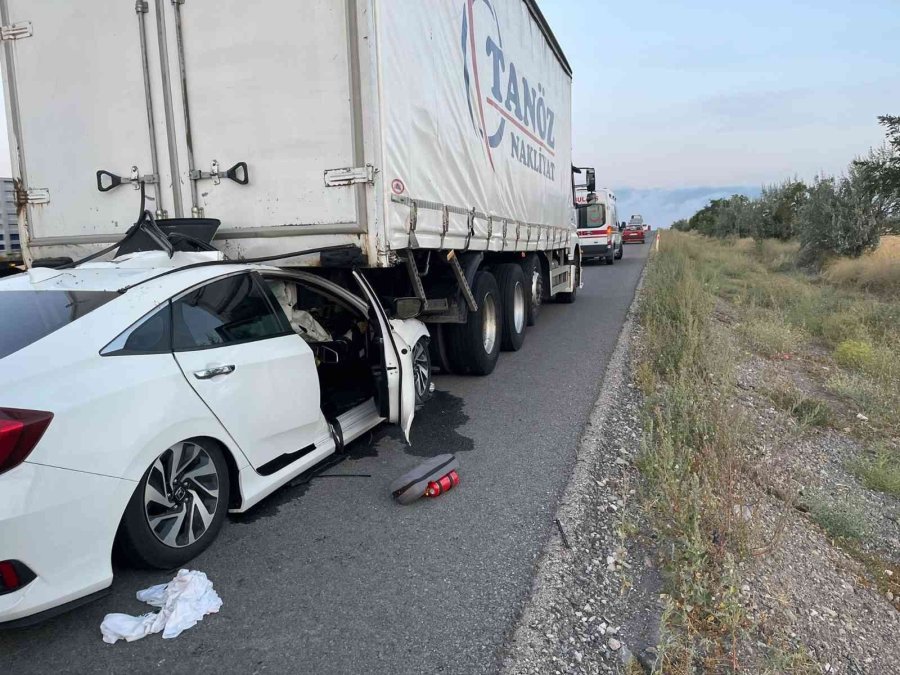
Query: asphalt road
331,576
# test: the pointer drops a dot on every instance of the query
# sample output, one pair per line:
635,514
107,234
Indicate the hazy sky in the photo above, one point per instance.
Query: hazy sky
720,94
711,93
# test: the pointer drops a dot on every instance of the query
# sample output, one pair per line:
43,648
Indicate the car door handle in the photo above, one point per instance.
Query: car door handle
210,373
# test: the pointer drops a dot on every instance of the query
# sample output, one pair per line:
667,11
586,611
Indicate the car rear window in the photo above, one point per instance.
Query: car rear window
28,316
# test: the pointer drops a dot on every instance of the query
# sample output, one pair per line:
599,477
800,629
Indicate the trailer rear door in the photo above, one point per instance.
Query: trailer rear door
184,90
76,104
268,84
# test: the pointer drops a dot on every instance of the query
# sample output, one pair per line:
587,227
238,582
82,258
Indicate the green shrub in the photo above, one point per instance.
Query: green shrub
854,354
806,410
839,327
768,335
880,470
841,521
838,219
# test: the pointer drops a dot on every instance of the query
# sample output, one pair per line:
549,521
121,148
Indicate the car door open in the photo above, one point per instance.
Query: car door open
252,371
398,365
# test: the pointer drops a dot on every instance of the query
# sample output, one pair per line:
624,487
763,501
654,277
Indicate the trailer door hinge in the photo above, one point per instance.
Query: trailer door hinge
16,31
32,196
350,176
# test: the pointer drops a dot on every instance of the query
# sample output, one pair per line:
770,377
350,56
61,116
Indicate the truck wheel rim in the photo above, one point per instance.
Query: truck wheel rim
519,307
421,369
181,495
536,288
489,323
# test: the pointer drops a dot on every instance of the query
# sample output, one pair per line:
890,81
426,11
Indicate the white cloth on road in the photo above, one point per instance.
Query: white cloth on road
183,602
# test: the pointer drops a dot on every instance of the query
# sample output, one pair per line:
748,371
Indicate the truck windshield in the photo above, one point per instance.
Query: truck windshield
28,316
592,216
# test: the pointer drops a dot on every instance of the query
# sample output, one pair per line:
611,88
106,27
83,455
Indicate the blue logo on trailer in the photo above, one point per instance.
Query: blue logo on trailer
532,140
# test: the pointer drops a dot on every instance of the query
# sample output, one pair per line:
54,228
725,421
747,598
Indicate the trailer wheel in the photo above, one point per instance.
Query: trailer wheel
473,347
515,302
569,298
438,347
534,283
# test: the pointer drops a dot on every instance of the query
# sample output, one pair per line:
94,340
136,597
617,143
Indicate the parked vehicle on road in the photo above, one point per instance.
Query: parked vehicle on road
436,188
151,395
598,229
310,136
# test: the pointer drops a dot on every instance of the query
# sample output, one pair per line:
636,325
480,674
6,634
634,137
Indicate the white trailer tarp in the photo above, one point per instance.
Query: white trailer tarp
477,114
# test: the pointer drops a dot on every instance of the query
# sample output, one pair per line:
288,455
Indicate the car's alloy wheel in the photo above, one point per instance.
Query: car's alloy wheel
421,360
178,506
181,494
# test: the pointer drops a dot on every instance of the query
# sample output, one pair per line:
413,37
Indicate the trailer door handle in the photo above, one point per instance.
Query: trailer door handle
210,373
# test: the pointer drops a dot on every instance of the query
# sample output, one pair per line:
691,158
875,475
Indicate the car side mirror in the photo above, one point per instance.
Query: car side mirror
591,181
407,308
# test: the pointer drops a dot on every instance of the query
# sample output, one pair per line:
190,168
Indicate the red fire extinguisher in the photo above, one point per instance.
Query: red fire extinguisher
442,484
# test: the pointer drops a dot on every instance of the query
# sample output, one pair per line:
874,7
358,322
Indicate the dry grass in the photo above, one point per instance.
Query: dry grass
876,271
693,463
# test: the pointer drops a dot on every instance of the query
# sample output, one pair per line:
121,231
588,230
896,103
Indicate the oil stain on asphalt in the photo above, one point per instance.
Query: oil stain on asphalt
434,430
434,433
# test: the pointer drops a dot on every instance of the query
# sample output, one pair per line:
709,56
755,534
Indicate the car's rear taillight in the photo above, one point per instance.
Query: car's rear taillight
20,431
14,575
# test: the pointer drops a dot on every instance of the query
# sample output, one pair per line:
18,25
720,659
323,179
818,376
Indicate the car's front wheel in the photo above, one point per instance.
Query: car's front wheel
178,506
421,360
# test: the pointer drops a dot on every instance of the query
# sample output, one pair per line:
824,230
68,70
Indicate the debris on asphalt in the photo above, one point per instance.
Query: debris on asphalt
562,534
183,602
431,478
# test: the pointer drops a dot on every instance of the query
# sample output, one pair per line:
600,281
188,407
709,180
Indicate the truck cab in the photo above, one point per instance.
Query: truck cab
598,231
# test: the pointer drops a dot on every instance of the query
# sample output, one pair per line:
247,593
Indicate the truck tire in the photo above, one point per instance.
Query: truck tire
438,347
569,298
534,285
514,309
473,347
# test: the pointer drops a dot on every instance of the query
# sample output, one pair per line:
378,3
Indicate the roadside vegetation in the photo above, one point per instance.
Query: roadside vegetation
772,394
834,217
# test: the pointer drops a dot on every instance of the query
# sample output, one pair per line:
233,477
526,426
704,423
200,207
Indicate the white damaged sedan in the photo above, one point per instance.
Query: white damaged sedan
143,399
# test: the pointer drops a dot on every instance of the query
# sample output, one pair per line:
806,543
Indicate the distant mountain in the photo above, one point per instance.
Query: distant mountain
661,207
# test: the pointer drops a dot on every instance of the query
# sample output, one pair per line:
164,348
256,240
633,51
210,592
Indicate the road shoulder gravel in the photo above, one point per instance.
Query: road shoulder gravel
594,604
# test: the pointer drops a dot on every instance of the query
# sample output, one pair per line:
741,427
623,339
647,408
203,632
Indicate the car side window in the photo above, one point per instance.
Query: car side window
228,311
151,334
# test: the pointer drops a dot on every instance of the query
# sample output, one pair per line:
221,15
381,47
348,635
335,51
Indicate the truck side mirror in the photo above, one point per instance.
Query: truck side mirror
591,180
